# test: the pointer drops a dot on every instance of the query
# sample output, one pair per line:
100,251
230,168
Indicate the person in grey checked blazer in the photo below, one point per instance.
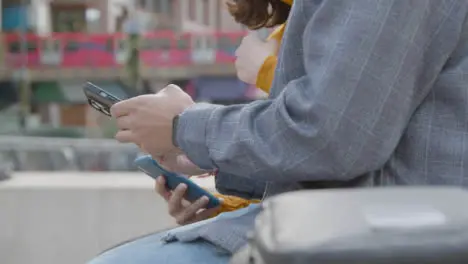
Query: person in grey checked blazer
366,93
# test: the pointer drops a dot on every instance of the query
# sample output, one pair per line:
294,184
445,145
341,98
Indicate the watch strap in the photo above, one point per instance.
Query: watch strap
175,123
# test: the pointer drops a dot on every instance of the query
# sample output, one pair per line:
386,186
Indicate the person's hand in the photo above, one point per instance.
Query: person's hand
146,120
182,210
250,56
179,163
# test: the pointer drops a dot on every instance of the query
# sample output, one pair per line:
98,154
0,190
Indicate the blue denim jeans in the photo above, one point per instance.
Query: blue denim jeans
152,250
157,249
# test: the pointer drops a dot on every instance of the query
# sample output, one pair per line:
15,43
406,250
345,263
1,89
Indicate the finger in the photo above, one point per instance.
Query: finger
196,206
171,90
126,136
123,122
205,214
123,108
175,201
190,212
160,187
186,203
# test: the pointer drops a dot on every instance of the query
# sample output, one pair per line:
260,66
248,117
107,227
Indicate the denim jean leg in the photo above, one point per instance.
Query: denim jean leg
152,250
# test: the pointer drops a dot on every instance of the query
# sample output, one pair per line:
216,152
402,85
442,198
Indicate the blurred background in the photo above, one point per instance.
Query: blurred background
67,189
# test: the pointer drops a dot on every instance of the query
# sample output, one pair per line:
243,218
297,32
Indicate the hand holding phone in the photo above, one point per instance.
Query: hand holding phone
183,211
99,99
194,192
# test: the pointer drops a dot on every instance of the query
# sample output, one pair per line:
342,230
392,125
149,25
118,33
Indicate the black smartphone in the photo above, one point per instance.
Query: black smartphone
99,99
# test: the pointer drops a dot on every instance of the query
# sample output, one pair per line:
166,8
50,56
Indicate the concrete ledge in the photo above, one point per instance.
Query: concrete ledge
49,218
86,180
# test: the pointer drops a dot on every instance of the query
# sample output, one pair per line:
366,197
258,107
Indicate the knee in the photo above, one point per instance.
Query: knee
141,249
119,255
173,253
109,257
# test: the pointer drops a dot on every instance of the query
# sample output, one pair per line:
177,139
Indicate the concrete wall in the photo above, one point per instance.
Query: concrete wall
56,218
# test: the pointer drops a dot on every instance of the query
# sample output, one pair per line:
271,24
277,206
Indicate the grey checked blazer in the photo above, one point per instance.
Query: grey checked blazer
366,93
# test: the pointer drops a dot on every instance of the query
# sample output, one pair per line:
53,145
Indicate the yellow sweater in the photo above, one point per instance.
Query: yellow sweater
267,71
264,80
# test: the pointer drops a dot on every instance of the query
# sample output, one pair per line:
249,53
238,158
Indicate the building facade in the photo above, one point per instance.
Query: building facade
99,16
60,63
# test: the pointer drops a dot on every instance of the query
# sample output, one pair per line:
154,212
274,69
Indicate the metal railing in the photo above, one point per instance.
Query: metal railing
61,154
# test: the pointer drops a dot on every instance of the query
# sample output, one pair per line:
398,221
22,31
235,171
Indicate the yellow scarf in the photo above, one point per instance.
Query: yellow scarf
232,203
265,75
278,33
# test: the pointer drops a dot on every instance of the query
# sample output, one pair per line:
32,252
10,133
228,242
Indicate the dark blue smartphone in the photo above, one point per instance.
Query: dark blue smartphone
149,166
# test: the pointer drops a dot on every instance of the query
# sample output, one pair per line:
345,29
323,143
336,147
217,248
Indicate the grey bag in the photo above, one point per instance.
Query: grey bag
361,226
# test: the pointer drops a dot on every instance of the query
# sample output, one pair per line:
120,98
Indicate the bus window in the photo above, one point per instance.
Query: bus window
72,46
16,47
183,43
225,43
156,44
109,45
50,52
204,43
51,45
121,45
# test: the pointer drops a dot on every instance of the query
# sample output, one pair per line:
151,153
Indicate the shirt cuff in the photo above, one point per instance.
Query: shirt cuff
191,134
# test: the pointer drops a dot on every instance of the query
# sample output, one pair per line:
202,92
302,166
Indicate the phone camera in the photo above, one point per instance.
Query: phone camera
98,106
